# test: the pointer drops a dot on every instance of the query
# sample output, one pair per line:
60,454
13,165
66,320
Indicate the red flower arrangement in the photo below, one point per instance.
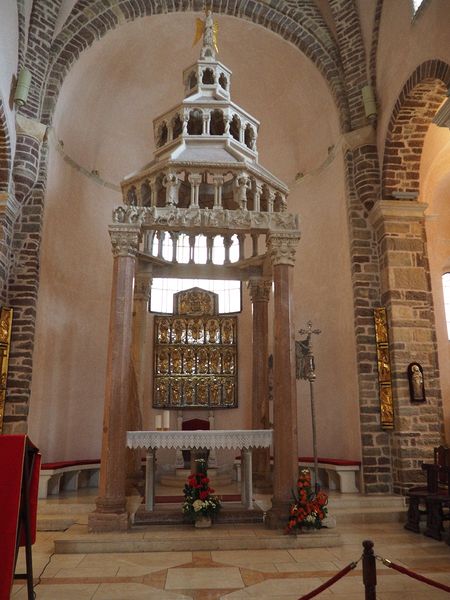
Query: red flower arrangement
198,496
309,509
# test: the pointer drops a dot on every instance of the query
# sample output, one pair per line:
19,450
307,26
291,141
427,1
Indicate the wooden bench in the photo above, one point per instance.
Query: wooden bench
334,473
68,475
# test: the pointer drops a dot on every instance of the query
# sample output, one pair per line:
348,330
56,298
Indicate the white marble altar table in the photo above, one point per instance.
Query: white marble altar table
243,439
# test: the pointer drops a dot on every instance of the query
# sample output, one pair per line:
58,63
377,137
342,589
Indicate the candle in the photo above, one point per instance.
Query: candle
166,420
158,422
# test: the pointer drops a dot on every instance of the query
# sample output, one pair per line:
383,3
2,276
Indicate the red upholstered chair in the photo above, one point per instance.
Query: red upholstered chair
194,425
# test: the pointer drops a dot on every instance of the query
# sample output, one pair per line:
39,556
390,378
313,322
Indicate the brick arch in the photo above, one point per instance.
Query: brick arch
89,21
413,112
5,151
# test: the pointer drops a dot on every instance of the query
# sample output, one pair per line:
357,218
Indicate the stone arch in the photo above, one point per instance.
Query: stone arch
309,34
413,112
5,151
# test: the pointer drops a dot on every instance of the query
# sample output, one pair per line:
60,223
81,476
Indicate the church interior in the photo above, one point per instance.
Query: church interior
226,220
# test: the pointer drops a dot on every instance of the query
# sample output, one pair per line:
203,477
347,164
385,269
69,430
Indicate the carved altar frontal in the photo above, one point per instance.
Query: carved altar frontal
195,354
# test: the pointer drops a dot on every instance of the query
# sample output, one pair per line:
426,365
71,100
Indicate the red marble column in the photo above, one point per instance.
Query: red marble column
110,513
282,246
260,293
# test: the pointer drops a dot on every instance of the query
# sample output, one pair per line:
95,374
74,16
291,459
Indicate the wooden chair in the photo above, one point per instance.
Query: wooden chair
428,500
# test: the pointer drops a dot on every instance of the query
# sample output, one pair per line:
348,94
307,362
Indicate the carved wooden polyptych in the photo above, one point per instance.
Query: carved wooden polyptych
6,315
384,369
195,364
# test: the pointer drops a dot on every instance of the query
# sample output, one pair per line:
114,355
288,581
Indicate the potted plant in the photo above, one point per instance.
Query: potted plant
200,504
309,509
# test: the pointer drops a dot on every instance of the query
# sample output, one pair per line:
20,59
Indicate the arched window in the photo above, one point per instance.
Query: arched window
446,289
217,124
249,137
177,126
235,127
223,81
195,123
163,289
162,134
208,77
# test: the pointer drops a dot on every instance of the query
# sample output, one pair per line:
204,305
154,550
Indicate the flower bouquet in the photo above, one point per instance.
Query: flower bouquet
199,501
309,509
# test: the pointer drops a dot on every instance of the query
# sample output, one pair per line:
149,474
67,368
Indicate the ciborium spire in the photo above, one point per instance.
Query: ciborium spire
208,29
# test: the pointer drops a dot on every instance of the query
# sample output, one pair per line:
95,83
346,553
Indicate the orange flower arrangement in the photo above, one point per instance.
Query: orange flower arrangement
309,509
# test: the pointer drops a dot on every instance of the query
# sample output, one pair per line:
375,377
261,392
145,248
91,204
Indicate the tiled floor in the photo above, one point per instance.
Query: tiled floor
239,575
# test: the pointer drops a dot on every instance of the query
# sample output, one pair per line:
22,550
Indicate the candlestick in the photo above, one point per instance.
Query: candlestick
166,420
158,422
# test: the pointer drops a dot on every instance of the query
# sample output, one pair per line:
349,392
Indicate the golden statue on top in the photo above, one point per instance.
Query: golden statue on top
208,29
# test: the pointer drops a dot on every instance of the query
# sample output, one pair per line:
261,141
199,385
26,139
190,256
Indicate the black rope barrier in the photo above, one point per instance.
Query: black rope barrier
369,573
330,582
405,571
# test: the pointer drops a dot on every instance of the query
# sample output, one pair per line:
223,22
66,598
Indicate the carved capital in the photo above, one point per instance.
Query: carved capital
282,246
125,240
260,289
142,285
31,127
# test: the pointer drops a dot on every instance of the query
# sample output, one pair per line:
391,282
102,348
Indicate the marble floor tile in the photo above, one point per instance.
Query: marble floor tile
134,591
243,557
213,578
285,589
78,591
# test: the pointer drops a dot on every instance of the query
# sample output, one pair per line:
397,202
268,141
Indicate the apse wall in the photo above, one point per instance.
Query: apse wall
104,119
405,43
435,191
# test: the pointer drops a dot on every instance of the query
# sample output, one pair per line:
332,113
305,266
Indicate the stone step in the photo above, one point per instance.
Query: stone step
167,538
368,515
363,501
232,513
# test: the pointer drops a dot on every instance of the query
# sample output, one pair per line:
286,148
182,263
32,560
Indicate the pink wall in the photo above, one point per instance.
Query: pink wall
104,116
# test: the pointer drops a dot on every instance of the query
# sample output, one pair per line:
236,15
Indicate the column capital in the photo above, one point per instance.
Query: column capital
31,127
125,239
259,289
142,285
281,246
388,210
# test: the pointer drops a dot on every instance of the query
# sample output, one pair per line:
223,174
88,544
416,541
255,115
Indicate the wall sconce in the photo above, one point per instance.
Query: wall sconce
370,105
22,87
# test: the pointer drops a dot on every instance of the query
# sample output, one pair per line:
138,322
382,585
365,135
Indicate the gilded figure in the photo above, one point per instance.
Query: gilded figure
215,393
214,361
189,392
202,361
228,361
384,367
381,333
202,393
212,328
386,407
176,361
189,361
163,331
227,331
163,361
229,392
195,331
178,331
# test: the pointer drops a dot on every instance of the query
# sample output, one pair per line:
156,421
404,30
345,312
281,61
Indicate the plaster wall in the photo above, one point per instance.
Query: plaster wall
435,191
8,53
404,44
104,117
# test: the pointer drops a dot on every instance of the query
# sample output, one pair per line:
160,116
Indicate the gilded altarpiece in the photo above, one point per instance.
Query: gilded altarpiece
6,315
195,364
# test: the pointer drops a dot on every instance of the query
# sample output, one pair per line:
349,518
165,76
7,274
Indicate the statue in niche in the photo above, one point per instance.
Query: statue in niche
195,329
162,392
384,367
189,392
163,331
212,327
176,361
163,362
227,332
202,361
215,393
214,361
178,331
189,361
202,393
416,383
176,392
228,366
229,392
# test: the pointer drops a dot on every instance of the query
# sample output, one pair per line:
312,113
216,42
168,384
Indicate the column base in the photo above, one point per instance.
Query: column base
277,517
99,522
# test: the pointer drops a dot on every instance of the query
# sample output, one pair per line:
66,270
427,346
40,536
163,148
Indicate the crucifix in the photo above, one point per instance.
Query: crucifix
305,368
